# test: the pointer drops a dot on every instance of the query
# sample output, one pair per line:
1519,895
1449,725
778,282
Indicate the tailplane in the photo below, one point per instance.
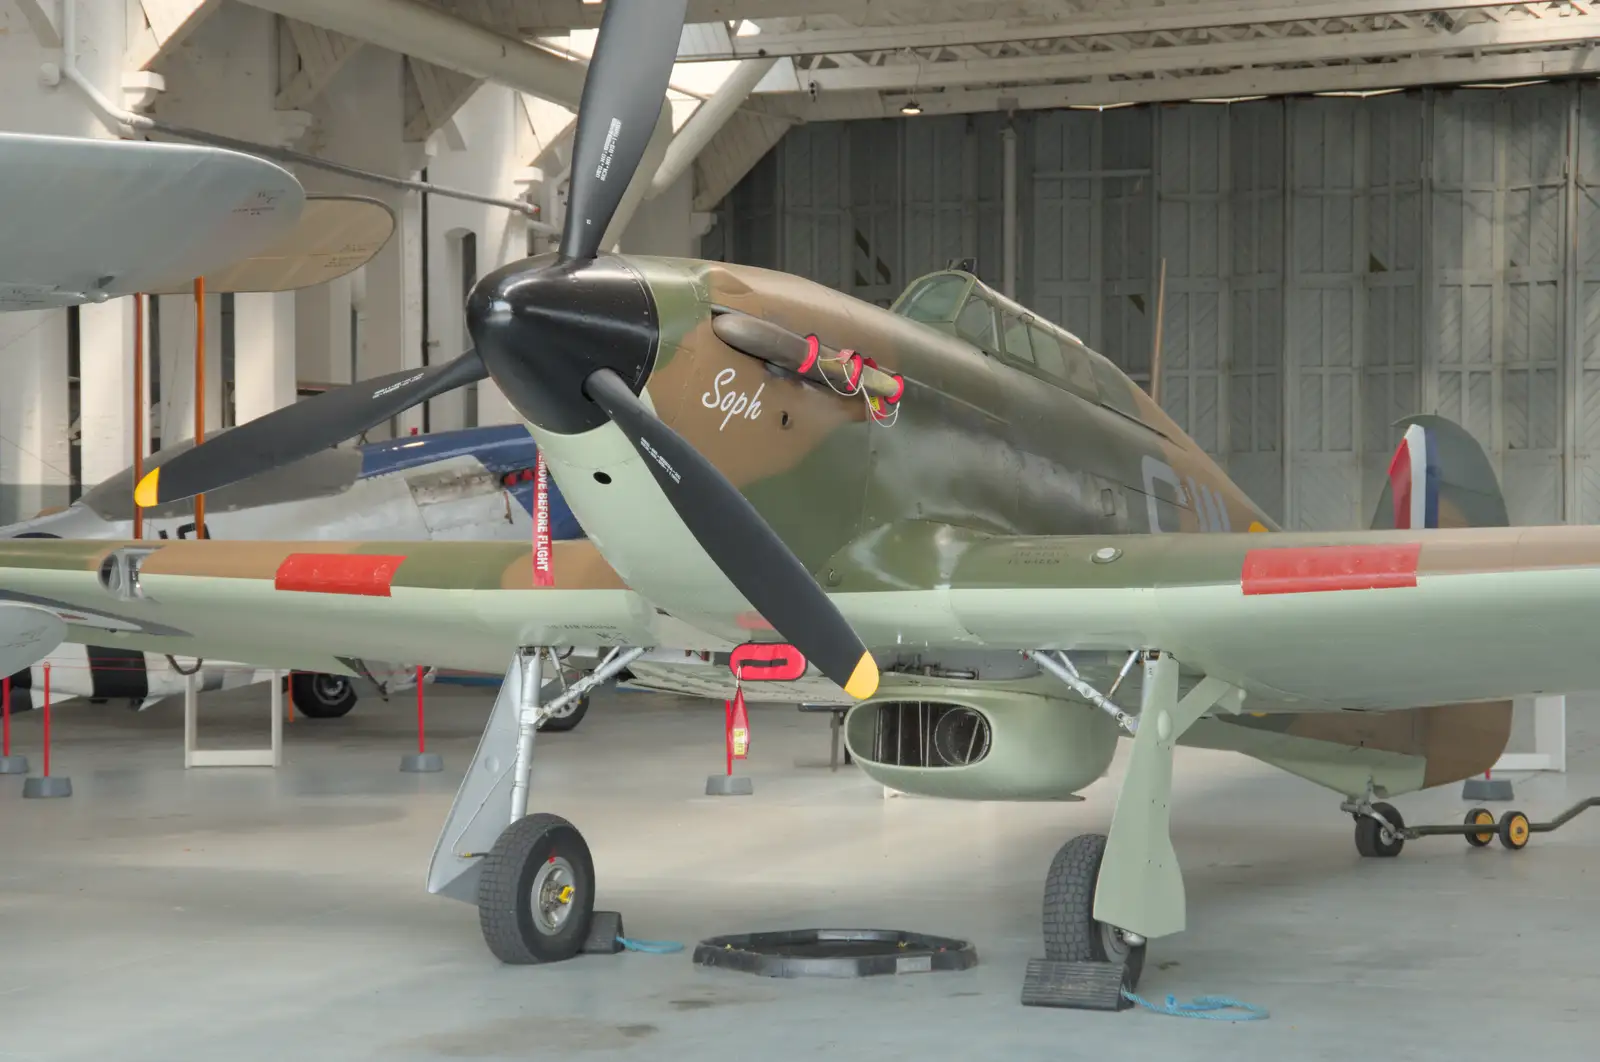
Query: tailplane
1439,477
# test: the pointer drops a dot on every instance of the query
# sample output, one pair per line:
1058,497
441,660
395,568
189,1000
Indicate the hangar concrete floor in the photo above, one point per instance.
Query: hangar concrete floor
250,914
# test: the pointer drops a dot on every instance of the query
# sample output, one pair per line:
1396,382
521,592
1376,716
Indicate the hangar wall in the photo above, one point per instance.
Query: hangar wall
1332,264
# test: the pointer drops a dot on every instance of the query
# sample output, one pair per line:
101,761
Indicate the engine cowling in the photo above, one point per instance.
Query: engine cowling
974,744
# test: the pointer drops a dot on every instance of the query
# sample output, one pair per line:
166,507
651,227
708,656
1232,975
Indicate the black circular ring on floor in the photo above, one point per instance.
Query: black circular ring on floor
835,953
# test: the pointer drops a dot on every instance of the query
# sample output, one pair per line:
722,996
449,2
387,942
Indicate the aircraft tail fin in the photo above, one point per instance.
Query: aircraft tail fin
1439,477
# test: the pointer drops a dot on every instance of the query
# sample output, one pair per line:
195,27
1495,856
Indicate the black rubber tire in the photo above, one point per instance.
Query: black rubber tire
563,723
1071,933
1370,841
1513,830
315,702
1480,817
505,912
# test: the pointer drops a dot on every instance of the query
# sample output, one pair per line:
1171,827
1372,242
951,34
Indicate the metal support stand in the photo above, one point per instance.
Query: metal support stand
196,757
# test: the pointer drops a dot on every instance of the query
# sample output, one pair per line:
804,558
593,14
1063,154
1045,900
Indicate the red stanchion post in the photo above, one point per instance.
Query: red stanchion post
422,761
9,764
47,786
47,720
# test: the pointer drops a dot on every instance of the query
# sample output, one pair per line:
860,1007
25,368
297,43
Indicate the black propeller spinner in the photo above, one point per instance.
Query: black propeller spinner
556,332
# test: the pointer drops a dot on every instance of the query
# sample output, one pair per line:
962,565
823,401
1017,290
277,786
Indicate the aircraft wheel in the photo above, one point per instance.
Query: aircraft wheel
569,717
1514,830
319,696
1480,817
536,892
1375,840
1071,933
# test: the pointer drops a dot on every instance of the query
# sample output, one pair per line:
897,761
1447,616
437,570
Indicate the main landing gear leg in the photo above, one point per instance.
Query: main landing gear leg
1105,896
533,880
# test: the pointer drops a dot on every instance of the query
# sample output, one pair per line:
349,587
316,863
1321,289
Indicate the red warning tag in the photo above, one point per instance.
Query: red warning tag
739,728
543,572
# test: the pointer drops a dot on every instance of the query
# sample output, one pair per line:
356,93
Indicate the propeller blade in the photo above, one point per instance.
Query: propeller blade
623,94
741,543
300,430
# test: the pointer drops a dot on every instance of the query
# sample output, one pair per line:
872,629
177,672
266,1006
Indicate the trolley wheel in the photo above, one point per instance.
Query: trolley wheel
1375,840
1480,817
536,892
1515,830
1071,933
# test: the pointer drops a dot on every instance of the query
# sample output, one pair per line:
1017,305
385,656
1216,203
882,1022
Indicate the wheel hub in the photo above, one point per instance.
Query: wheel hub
552,893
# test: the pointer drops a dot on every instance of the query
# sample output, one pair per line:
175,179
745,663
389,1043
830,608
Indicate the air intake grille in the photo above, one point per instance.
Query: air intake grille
929,734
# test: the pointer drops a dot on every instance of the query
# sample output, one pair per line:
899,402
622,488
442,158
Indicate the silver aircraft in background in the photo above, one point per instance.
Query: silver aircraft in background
476,483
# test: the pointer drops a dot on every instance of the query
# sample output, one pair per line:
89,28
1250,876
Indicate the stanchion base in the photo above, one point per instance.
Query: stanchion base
729,785
41,788
13,765
1486,789
421,762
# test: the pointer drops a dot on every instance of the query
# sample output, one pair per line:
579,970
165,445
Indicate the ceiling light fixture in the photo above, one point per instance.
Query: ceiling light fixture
911,107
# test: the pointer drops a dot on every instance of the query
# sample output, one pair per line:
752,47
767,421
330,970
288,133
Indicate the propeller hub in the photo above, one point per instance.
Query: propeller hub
544,325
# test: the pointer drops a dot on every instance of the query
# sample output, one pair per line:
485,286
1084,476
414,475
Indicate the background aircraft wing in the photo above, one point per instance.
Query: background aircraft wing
1360,620
336,235
87,216
300,605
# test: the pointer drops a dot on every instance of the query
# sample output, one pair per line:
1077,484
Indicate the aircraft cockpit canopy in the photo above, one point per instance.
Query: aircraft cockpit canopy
958,303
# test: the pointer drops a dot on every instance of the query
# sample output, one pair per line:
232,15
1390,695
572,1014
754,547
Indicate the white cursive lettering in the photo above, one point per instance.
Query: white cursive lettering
732,403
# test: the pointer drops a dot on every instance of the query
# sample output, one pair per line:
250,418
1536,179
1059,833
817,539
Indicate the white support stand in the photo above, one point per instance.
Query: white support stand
194,757
1549,739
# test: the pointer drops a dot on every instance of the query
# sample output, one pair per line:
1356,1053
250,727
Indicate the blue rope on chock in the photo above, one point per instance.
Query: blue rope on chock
1204,1007
653,947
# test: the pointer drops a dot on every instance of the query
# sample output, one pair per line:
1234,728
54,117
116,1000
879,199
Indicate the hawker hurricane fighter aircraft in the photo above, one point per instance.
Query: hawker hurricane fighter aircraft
963,520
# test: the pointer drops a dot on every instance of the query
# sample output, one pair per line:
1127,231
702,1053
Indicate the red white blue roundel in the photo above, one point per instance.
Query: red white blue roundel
1414,480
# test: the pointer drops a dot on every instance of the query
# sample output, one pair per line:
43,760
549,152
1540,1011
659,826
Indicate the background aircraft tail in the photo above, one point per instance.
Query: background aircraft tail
1439,477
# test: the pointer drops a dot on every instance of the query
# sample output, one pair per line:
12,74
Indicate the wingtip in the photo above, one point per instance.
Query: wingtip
864,679
146,493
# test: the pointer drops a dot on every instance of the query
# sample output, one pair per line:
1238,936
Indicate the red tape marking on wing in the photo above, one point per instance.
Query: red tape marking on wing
1310,569
364,574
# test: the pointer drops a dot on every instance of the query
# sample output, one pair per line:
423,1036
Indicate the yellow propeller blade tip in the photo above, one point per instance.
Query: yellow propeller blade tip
864,679
144,495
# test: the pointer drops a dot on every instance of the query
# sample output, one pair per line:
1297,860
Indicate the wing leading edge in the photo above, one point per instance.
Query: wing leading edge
1365,620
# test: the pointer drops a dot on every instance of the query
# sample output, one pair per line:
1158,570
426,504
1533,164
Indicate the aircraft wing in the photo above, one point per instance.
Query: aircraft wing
297,605
85,218
1310,622
1351,620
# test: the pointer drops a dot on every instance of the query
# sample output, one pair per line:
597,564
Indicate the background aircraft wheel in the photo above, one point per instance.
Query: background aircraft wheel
1071,933
1375,840
536,892
1514,831
1480,817
322,696
570,716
